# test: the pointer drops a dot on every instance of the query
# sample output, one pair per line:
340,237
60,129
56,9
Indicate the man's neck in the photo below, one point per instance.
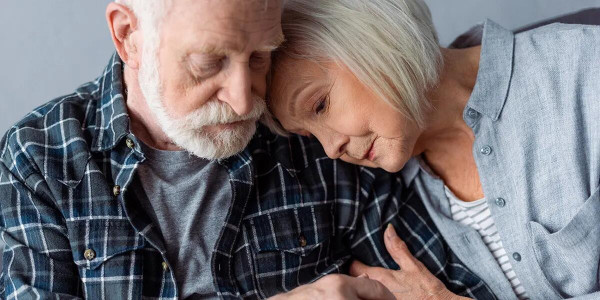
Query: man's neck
143,123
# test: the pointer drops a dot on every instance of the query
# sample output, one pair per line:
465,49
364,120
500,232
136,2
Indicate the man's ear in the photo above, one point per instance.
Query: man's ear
124,29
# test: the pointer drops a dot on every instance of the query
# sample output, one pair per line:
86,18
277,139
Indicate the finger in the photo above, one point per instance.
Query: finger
363,275
357,268
397,248
366,288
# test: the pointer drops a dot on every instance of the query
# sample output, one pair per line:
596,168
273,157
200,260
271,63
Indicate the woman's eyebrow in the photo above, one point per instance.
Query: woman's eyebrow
292,106
305,82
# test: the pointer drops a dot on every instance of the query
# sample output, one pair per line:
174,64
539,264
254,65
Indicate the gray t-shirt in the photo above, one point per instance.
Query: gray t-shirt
187,198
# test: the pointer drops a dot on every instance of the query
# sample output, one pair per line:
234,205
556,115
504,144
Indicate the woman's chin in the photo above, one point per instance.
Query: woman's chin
391,165
385,163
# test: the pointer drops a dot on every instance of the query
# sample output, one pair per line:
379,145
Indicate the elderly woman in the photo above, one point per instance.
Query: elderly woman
501,141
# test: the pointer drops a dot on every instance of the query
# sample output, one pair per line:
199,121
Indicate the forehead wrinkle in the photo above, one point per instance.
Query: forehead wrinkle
236,22
250,13
230,39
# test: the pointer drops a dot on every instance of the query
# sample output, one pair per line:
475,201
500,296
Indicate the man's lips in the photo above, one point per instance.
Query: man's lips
229,125
216,128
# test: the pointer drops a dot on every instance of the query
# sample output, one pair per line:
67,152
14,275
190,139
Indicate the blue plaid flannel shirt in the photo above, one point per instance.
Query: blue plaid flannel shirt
73,230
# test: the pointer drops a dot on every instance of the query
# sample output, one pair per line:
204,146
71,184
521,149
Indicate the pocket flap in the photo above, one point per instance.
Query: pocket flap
295,230
95,241
577,229
68,166
569,257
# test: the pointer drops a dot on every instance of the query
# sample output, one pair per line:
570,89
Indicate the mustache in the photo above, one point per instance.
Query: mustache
216,112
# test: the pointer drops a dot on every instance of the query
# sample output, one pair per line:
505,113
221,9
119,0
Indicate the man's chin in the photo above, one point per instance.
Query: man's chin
218,142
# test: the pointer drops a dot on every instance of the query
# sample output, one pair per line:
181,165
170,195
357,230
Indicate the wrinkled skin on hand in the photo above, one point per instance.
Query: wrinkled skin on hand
412,281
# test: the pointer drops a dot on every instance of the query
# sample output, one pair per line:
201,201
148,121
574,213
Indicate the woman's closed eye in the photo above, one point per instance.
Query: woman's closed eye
320,106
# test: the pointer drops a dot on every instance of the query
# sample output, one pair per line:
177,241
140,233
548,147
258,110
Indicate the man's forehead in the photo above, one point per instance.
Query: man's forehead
231,10
209,23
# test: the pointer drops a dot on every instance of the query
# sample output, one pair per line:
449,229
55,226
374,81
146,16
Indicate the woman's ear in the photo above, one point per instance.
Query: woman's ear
125,33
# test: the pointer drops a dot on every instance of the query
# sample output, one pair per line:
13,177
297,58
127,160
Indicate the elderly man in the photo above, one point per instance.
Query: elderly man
155,181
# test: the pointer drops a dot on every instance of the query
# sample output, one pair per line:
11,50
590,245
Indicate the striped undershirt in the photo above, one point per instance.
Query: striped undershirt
478,216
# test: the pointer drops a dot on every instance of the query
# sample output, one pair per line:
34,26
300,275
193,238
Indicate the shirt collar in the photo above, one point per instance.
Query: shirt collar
410,171
495,70
491,87
112,120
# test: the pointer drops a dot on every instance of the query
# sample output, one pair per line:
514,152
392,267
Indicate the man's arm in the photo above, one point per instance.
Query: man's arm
38,262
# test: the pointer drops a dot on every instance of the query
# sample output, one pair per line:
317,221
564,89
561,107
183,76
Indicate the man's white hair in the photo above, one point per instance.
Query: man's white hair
188,131
148,12
390,45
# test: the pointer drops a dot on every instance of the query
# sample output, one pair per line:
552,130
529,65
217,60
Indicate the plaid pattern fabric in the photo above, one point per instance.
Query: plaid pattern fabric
72,230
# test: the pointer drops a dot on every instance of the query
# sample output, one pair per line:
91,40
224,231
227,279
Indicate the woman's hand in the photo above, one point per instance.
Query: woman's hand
339,287
412,281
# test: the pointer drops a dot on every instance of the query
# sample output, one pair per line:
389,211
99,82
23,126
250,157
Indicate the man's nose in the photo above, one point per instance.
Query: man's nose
237,90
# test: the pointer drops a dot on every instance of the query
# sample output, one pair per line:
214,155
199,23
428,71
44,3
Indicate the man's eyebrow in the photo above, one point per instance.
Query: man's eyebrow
273,45
212,49
209,49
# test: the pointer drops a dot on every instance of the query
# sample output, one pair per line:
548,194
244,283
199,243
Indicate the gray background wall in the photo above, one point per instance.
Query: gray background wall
50,47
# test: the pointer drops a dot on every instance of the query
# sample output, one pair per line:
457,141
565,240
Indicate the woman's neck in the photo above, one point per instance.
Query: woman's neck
445,124
447,141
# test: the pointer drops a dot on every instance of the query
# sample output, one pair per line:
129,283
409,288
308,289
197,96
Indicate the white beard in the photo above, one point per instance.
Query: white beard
188,132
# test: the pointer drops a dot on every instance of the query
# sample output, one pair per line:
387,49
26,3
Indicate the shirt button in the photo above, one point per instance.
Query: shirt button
517,256
116,190
486,150
89,254
130,143
500,202
165,266
471,113
302,240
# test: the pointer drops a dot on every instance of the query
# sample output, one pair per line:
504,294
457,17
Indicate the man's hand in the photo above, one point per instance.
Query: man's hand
338,287
412,281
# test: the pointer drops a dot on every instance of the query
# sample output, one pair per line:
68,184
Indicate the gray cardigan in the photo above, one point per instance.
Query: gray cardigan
535,113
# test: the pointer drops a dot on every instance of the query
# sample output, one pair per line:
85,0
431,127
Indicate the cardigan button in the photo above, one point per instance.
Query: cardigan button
517,256
486,150
500,202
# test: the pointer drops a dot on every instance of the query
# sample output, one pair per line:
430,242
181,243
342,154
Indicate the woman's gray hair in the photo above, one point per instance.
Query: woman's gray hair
390,45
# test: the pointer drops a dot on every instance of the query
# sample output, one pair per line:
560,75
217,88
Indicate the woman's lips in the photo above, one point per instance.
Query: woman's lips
370,154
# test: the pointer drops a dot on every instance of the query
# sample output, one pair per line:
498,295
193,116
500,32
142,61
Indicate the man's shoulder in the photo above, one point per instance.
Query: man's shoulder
293,152
305,158
59,129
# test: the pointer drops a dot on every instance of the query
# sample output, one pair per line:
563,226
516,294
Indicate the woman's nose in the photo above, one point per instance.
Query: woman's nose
336,146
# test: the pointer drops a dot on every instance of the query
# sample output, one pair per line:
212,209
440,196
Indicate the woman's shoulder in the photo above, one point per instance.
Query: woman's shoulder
557,38
558,57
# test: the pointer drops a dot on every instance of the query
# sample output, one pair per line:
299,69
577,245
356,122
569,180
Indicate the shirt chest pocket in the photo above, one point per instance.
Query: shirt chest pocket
570,257
291,247
106,248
